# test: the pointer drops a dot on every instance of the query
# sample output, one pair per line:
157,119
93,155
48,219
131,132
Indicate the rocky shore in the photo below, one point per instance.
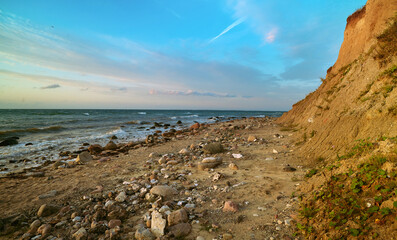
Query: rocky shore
229,180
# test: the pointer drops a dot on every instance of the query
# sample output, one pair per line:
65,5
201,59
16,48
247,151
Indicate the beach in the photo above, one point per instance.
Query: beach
245,191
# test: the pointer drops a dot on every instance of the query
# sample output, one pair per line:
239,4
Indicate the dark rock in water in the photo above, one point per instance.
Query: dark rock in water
86,144
179,122
110,146
114,137
64,153
95,149
9,141
28,144
213,148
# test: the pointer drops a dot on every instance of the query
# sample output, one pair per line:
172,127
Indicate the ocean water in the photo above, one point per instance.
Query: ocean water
50,131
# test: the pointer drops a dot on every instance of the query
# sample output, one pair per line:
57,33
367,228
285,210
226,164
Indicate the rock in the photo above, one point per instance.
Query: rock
164,191
144,234
203,166
9,141
251,138
237,155
288,168
217,176
51,193
47,210
269,159
180,230
110,146
275,151
34,226
81,234
213,148
184,151
200,238
44,230
195,126
179,122
114,223
113,137
28,144
233,166
178,216
83,157
121,197
230,207
158,224
95,149
26,236
227,236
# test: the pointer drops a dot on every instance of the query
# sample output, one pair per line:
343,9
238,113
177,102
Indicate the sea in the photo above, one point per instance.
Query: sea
44,133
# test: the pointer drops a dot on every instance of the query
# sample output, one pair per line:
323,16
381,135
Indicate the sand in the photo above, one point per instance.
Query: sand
262,187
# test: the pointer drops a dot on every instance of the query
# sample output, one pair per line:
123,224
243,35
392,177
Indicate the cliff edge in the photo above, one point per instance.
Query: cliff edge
358,97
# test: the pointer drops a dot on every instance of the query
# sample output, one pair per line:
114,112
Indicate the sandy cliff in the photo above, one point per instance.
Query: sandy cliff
358,98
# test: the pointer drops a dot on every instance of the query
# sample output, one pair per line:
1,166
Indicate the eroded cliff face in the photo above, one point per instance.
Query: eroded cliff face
358,98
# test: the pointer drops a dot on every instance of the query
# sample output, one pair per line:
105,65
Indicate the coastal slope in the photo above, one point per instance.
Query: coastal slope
358,97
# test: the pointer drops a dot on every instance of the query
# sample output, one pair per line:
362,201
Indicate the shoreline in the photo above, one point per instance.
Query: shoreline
81,184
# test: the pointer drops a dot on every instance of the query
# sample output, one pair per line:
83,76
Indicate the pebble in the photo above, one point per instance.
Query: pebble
46,210
158,224
81,234
164,191
114,223
143,233
237,155
230,207
121,197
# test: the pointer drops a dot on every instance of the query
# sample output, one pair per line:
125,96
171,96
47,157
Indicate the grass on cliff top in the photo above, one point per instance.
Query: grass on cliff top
387,42
359,202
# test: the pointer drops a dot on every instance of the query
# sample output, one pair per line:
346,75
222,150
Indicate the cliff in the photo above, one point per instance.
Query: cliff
358,97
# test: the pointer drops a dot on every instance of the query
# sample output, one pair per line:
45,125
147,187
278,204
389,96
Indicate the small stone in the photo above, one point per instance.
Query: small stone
288,168
179,216
121,197
83,157
144,234
180,230
210,160
230,207
237,155
95,149
158,224
233,166
114,223
34,226
200,238
251,138
275,151
269,159
46,210
184,151
51,193
227,236
195,126
81,234
44,230
164,191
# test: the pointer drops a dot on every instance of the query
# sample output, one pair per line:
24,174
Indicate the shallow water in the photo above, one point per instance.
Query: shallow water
51,131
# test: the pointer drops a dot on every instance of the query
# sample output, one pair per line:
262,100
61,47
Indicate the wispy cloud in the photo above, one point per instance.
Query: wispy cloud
191,93
51,86
230,27
271,35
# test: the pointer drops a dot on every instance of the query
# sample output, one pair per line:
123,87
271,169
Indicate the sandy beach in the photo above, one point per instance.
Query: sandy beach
248,194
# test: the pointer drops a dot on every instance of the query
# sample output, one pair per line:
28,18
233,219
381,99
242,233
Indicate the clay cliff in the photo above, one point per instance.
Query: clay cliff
358,97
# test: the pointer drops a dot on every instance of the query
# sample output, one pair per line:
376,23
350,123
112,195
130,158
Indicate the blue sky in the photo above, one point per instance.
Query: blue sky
186,54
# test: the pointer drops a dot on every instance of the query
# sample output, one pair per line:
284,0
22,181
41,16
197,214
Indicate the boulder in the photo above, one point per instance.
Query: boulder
110,146
143,233
176,217
95,149
195,126
83,157
9,141
213,148
180,230
158,224
164,191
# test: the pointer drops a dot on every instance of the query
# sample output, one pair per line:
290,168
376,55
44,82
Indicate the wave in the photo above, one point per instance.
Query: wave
31,130
189,116
142,113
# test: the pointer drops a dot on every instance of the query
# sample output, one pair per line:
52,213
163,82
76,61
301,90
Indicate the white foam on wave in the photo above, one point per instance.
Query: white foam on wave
87,114
142,113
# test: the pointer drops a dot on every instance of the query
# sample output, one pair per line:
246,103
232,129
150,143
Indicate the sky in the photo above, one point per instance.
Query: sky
175,54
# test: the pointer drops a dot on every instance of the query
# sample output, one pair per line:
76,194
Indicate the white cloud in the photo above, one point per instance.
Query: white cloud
230,27
271,35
